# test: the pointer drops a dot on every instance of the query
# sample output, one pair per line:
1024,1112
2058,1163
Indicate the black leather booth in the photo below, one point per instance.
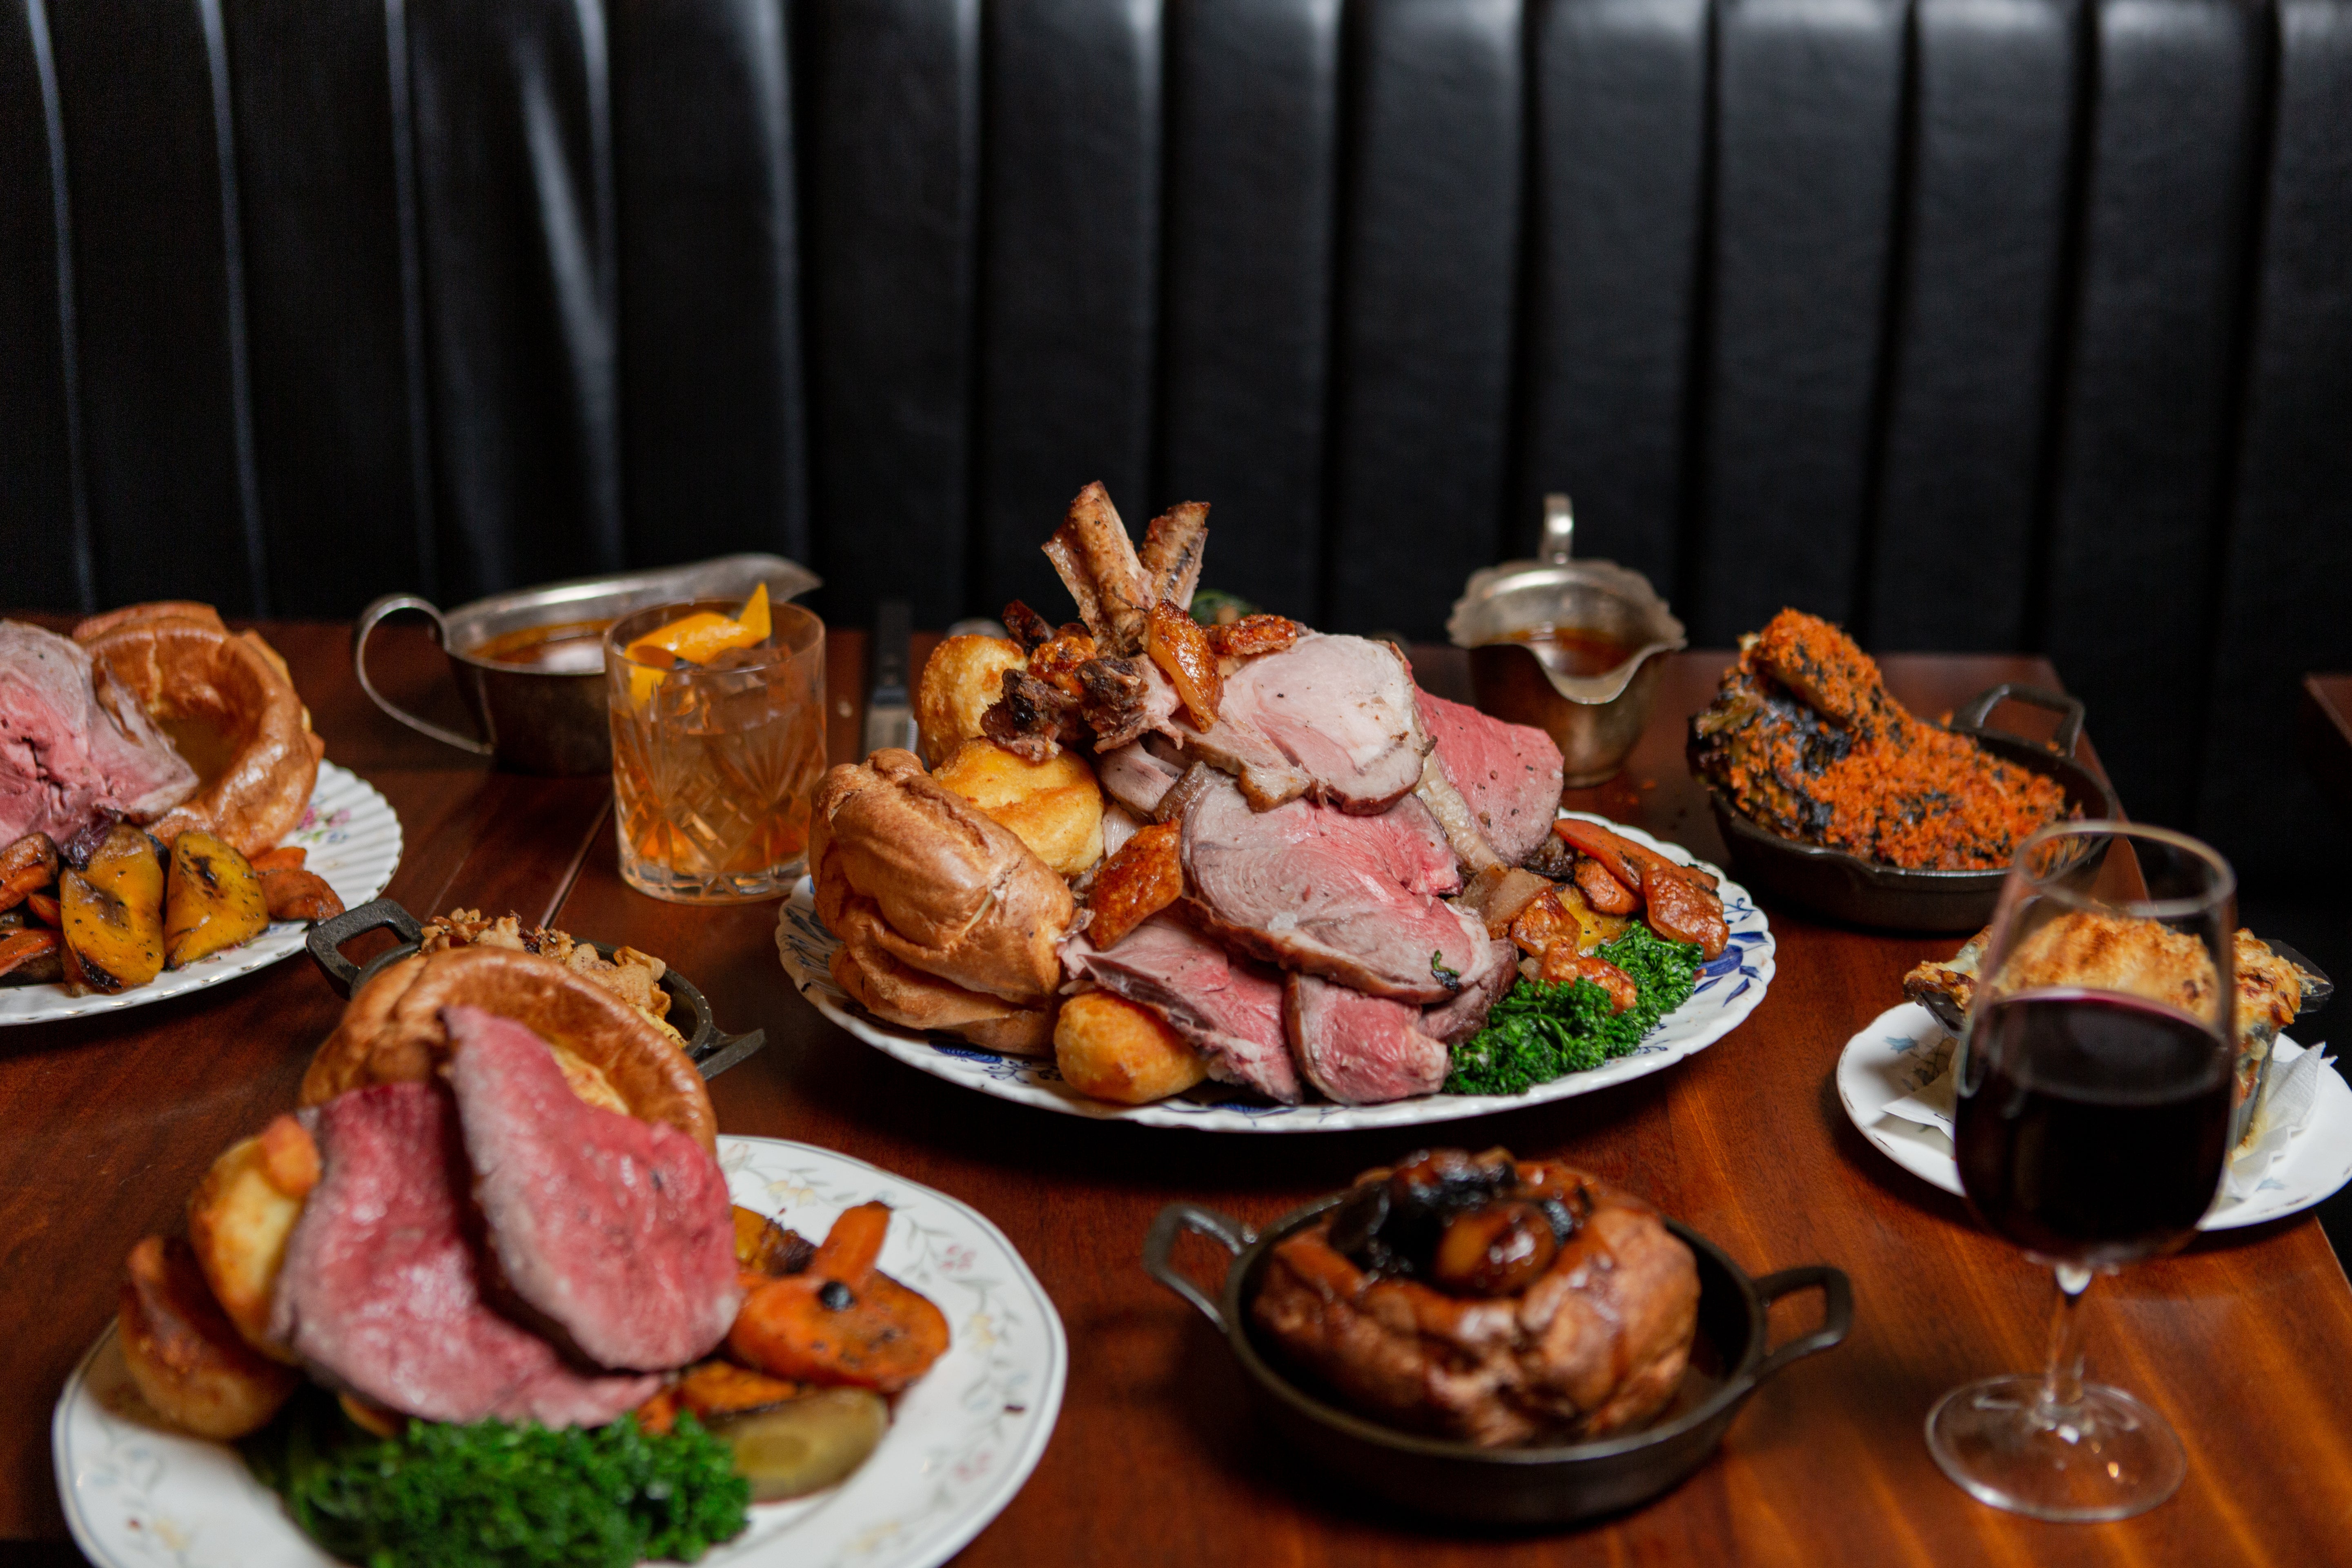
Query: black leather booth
1974,323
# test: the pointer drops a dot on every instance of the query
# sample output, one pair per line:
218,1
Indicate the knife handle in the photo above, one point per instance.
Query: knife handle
894,625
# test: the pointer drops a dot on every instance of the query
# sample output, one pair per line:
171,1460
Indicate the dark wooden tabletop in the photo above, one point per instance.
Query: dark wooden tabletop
2242,1342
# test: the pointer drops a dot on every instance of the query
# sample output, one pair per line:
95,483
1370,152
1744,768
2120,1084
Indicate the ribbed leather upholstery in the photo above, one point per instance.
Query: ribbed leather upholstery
1978,323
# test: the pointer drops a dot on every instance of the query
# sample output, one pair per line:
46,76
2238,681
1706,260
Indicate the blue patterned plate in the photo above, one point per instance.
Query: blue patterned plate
960,1443
1728,990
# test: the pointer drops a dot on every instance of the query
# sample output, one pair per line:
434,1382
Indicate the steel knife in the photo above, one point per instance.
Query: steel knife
890,714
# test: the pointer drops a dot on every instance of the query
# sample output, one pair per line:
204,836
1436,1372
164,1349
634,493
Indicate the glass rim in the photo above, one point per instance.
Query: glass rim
2224,888
780,645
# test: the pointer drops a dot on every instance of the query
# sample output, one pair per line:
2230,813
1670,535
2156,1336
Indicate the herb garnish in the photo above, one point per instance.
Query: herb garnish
1539,1032
495,1496
1449,978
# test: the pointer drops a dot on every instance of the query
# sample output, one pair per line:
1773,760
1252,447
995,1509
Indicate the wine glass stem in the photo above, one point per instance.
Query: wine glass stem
2062,1382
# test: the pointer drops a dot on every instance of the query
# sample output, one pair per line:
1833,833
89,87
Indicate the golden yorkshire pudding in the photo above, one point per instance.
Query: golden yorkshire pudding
229,705
960,895
612,1054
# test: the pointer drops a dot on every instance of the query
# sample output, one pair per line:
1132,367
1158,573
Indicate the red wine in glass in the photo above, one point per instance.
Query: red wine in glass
2097,1130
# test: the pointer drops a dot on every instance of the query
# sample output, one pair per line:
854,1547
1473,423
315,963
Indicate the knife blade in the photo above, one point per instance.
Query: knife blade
890,714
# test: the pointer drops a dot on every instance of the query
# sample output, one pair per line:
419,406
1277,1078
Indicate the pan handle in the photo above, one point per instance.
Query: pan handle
1837,1313
1972,716
1160,1244
392,603
726,1051
327,937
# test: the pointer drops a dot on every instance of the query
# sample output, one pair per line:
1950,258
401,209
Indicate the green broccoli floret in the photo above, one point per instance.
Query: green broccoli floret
491,1495
1539,1032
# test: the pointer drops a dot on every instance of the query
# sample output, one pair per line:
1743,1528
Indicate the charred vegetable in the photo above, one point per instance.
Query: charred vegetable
113,912
841,1319
27,866
212,898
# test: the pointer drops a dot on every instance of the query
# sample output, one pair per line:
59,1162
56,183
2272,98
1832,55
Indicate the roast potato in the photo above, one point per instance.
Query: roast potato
239,1218
962,680
790,1450
1110,1048
113,912
212,899
184,1354
1055,807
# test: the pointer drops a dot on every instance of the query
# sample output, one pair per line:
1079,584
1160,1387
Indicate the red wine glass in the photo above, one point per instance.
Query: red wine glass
2094,1095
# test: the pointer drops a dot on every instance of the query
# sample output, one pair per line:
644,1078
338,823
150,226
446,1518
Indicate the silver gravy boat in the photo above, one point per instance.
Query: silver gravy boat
1595,717
551,717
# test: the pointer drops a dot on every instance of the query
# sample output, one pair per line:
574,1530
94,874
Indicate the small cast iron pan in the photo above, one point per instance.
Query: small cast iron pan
1456,1480
1867,893
710,1051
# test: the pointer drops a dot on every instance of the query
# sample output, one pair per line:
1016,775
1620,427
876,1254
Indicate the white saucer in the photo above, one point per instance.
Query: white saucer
1889,1059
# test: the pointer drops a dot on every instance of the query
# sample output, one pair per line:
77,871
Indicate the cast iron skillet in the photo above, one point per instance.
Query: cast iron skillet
1867,893
710,1051
1457,1480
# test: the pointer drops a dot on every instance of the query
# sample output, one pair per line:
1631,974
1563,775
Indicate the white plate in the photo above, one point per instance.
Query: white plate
1729,987
960,1443
354,843
1889,1059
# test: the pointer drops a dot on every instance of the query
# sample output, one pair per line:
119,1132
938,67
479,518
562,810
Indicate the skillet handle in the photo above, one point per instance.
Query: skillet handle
1837,1313
1160,1243
2068,709
392,603
326,939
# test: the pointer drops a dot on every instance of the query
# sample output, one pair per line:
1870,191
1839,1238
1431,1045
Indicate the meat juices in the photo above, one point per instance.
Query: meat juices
381,1294
617,1231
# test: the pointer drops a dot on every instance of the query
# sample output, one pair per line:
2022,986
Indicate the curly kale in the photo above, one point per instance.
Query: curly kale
495,1496
1539,1032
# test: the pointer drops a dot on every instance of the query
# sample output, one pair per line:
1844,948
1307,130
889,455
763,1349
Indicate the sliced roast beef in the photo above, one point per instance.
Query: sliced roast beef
380,1292
1508,773
75,747
1329,718
1467,1014
1349,897
616,1231
1135,778
1227,1006
1360,1049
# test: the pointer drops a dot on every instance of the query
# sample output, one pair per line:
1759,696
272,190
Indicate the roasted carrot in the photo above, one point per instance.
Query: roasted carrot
46,909
285,858
882,1337
850,1248
21,947
294,895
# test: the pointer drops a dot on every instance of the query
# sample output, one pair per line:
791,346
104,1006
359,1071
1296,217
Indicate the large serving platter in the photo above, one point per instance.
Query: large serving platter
1728,990
960,1443
1898,1053
353,840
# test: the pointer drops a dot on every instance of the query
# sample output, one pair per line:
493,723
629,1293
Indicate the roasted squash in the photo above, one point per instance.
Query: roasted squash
212,898
113,912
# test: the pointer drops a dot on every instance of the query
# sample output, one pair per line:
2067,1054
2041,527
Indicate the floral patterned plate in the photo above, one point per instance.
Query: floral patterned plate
1904,1049
1729,987
961,1444
354,843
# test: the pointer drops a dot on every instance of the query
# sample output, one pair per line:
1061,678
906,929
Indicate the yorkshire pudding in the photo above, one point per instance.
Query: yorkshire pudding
612,1054
227,703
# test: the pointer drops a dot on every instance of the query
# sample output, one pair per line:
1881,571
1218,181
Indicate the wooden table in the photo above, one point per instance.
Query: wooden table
2242,1342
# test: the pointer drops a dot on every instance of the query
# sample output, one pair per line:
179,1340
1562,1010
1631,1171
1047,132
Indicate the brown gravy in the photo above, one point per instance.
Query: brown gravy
567,648
1573,650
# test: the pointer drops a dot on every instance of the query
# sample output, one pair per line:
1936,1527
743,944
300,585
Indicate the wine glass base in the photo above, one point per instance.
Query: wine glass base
2110,1457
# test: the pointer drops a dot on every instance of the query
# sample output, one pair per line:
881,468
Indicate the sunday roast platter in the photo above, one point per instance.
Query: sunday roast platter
1244,876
